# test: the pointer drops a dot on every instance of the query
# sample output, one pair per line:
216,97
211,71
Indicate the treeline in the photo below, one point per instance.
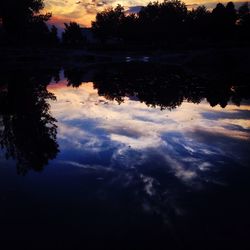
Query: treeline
170,23
166,87
157,25
28,131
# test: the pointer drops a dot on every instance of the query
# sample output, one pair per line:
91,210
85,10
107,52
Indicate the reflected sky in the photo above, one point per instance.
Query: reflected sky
189,141
123,171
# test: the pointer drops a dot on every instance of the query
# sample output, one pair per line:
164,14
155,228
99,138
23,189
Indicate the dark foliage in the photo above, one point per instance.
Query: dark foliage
244,21
27,130
72,35
108,23
160,85
22,23
170,23
158,25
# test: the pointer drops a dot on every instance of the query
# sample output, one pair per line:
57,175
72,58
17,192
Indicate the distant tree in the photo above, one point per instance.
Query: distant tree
199,13
108,23
129,27
220,21
219,14
170,23
231,14
72,35
53,36
244,21
163,21
199,22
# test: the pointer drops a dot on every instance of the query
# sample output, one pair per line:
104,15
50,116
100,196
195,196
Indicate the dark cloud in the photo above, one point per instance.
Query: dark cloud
133,9
236,114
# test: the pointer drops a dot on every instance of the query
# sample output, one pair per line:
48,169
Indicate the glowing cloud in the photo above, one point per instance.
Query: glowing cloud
84,11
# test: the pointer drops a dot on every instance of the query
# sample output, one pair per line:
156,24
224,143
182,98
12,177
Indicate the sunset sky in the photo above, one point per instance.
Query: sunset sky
84,11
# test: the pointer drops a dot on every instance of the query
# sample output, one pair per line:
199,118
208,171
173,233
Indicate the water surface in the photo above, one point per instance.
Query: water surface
124,156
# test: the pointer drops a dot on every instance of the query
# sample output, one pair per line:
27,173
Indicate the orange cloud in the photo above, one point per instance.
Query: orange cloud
84,11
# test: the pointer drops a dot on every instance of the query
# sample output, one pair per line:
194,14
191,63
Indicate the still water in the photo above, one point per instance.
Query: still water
119,158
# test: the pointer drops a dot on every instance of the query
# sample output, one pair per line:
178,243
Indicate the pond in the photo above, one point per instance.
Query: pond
131,156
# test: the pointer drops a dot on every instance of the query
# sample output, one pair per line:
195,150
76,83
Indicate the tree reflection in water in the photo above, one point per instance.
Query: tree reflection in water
162,85
28,131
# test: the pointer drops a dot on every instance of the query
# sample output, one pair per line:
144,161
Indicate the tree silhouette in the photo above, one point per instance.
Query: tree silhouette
53,38
20,17
231,14
171,24
159,85
219,20
167,24
108,23
199,22
244,21
28,131
129,28
165,20
224,20
72,35
231,18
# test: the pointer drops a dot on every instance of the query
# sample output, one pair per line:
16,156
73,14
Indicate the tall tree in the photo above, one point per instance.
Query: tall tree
244,21
19,16
108,22
219,17
199,22
163,21
72,35
54,40
28,131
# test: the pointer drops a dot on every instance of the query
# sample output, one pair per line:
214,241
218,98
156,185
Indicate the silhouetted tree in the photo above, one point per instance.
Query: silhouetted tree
28,131
74,76
163,86
108,23
163,21
54,40
224,20
231,18
20,17
199,22
231,14
219,20
129,28
155,22
72,35
244,21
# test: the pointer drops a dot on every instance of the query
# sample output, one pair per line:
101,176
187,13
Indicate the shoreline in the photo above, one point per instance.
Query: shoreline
206,60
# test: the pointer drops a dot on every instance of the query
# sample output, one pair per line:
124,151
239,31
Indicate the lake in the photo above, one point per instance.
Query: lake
125,156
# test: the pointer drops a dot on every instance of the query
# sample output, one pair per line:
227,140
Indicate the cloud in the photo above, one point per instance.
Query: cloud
154,156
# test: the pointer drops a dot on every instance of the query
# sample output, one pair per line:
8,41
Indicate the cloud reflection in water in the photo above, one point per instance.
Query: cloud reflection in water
186,142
